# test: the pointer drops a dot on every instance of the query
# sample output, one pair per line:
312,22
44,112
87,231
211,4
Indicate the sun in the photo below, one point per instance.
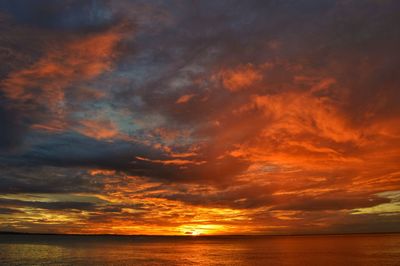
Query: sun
203,229
196,233
192,233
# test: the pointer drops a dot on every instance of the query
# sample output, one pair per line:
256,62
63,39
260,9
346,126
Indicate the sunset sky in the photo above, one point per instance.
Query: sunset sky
200,117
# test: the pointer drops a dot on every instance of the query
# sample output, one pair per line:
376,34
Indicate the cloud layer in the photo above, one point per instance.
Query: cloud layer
227,117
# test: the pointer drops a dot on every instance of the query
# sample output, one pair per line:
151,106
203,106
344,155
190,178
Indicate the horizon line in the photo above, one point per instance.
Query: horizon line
201,235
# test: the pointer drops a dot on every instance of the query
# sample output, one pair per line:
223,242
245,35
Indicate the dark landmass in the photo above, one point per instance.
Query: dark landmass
201,236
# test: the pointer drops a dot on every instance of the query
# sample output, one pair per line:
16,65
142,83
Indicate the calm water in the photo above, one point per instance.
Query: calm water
364,250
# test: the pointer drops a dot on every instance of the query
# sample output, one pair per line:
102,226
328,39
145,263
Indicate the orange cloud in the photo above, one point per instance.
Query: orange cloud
98,129
185,98
173,161
43,84
240,78
78,60
102,172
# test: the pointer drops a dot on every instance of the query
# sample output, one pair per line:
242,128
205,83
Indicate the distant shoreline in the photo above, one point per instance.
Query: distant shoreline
200,236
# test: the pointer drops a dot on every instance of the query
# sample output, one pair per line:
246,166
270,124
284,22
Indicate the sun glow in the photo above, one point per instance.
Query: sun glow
196,233
204,229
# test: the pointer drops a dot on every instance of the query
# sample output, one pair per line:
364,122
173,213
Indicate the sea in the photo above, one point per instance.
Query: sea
366,250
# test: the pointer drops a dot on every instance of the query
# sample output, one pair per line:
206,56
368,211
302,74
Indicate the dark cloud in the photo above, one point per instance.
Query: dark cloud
9,211
89,153
37,179
243,197
330,203
59,205
11,128
68,15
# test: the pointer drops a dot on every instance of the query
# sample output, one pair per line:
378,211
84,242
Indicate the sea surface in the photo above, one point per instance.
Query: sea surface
366,250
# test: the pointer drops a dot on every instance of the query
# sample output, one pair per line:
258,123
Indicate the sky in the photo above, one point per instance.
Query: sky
199,117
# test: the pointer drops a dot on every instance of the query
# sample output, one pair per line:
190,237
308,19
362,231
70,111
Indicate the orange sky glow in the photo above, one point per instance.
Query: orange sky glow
140,117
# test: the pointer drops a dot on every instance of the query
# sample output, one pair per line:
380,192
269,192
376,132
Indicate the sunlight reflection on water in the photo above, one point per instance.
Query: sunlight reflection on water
369,250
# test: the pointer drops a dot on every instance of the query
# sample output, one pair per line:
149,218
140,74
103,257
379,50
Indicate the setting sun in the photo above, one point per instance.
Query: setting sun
195,233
